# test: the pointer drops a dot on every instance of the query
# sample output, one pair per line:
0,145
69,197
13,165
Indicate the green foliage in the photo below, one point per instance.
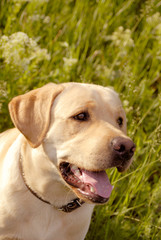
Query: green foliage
115,43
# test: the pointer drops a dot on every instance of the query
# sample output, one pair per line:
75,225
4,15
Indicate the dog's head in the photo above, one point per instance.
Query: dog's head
82,128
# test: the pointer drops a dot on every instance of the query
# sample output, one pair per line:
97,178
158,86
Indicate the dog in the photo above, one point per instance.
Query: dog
52,164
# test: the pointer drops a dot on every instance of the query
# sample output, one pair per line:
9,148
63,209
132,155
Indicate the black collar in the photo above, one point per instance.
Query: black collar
69,207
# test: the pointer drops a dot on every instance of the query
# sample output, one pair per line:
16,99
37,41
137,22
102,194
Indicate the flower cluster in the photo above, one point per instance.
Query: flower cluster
69,62
154,19
18,50
154,22
122,38
38,17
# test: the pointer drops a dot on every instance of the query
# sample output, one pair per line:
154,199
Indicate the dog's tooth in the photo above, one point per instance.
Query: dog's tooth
73,167
92,189
77,172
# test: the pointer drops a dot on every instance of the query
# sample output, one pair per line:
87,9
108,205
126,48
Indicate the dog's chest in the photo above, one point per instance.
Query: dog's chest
51,224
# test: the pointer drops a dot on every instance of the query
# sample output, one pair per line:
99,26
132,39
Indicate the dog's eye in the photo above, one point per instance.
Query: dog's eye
120,121
81,116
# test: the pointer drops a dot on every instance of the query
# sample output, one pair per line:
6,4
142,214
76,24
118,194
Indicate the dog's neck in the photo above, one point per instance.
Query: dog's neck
43,181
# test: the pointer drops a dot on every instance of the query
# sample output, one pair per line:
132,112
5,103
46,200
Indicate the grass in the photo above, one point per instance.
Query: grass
116,43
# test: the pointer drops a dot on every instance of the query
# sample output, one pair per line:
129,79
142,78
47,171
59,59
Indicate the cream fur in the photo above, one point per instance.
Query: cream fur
22,215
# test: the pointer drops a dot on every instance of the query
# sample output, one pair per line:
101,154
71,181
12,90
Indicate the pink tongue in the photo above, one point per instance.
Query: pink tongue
100,182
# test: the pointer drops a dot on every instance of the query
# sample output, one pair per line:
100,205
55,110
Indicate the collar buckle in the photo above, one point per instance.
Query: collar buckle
74,204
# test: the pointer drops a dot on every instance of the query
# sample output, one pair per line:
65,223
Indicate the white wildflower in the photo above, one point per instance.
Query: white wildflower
154,19
126,103
19,50
35,17
46,19
154,22
3,87
38,17
64,44
122,38
69,62
158,29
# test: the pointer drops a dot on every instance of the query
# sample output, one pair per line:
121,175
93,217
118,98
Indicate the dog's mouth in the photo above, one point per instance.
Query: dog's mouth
94,186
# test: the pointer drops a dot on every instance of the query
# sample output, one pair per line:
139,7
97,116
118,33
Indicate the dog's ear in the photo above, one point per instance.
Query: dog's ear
30,112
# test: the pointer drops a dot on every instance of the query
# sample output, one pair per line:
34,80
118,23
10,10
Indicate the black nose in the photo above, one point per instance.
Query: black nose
124,148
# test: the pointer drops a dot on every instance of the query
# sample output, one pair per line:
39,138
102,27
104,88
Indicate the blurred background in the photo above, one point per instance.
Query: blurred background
108,42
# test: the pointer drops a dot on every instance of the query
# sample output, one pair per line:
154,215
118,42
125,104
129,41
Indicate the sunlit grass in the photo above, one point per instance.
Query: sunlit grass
116,43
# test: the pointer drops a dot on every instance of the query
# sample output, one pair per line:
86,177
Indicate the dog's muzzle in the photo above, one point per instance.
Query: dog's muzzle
95,185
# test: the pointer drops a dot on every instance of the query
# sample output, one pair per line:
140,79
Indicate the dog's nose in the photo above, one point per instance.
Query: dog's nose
124,148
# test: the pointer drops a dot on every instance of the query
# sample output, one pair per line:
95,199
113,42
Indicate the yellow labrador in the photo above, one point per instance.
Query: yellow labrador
52,165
